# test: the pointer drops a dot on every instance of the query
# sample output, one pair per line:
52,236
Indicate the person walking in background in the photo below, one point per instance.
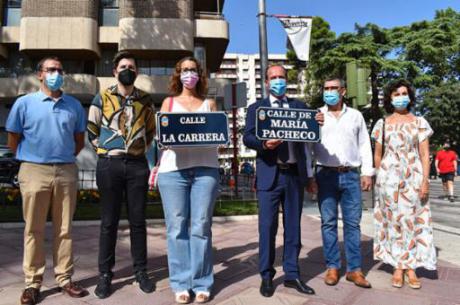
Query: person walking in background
283,171
121,128
446,166
188,180
344,168
46,131
403,230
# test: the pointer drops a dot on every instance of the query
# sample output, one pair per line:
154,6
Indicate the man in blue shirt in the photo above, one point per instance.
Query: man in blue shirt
46,130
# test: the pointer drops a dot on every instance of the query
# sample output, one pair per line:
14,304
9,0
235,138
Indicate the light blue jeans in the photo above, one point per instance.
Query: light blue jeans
188,198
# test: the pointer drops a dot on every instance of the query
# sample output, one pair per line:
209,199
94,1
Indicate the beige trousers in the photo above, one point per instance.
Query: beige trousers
46,188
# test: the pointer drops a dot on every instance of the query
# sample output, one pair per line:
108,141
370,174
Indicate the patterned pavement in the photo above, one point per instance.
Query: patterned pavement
235,266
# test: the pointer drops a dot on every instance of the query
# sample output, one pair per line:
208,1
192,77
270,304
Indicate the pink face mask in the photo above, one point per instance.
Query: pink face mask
189,79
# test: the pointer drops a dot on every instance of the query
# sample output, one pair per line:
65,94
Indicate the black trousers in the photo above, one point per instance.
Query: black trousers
119,178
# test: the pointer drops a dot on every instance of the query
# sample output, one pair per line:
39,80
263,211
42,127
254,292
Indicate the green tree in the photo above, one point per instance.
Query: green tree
431,49
441,107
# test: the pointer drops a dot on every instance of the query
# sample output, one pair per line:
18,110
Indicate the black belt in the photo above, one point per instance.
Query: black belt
340,169
288,168
49,164
123,157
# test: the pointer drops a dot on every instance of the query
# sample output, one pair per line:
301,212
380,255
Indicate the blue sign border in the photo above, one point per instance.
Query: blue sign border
159,114
287,140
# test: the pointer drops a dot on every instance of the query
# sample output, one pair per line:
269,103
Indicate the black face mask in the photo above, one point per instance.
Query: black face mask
127,77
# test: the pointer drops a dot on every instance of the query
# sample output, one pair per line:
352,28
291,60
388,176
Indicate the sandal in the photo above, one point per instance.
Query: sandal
413,281
398,281
183,297
202,297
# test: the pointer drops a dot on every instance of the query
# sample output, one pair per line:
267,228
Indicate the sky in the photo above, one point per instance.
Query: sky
340,14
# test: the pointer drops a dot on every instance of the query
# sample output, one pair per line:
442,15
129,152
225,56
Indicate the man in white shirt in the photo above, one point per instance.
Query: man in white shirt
343,155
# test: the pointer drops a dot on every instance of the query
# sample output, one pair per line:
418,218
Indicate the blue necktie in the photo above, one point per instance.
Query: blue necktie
283,148
283,152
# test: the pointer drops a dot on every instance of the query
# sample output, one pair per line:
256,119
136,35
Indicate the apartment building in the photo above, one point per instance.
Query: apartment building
246,68
86,34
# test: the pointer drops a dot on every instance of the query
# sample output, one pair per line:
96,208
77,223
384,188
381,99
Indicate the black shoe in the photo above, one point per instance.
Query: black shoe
145,284
299,286
266,288
104,286
451,198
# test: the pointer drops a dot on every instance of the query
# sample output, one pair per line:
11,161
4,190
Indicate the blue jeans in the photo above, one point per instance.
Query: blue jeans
188,198
335,187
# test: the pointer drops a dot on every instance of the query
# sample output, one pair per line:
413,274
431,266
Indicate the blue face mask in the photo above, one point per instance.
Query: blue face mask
54,81
400,102
331,98
278,86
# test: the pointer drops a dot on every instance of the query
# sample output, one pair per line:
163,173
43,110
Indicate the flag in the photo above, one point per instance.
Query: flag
298,30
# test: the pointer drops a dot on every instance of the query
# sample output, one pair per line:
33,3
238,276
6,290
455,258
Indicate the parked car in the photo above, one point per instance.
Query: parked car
9,167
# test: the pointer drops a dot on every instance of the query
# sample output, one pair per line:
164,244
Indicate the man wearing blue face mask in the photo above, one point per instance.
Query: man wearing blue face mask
283,170
46,130
344,168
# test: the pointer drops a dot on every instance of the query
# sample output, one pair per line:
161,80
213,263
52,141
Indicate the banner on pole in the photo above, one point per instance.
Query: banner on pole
298,30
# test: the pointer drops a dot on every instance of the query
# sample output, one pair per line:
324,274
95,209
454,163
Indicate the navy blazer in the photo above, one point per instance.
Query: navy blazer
266,162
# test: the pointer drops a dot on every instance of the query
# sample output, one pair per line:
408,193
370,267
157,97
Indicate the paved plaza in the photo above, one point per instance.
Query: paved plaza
235,265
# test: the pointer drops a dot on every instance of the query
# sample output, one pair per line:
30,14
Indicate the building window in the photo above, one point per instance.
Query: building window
200,54
108,13
17,64
156,67
12,13
104,65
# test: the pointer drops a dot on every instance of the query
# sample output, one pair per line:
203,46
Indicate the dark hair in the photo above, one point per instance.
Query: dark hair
39,66
332,78
175,85
274,65
121,55
392,87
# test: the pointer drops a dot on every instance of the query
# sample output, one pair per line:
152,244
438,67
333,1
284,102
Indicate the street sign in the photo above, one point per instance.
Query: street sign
192,128
237,91
295,125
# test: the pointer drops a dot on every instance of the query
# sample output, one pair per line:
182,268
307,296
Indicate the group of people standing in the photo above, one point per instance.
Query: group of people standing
344,168
46,130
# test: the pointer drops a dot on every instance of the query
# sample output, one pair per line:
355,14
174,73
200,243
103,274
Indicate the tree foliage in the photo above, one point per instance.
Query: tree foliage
427,53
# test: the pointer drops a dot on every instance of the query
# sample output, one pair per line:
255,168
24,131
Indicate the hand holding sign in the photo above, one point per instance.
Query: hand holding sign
272,144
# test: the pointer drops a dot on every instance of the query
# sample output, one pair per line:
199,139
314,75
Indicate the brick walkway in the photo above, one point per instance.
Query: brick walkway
235,267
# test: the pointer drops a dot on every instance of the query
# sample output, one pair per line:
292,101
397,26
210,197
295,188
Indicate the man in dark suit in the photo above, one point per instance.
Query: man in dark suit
282,173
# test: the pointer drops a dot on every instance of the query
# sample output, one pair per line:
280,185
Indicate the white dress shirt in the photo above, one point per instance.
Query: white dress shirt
344,141
292,158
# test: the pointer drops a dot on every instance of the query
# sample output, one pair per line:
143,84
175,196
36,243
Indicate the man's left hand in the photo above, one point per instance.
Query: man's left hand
319,117
366,183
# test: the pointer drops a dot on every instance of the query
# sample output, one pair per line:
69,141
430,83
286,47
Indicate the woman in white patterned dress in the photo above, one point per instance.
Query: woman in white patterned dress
403,229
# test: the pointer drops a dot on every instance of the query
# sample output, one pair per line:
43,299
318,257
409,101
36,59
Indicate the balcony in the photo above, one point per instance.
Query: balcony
213,34
165,37
76,31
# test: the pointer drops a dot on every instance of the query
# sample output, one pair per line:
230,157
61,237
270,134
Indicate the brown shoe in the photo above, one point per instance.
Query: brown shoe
332,277
398,278
412,280
30,296
74,290
358,278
